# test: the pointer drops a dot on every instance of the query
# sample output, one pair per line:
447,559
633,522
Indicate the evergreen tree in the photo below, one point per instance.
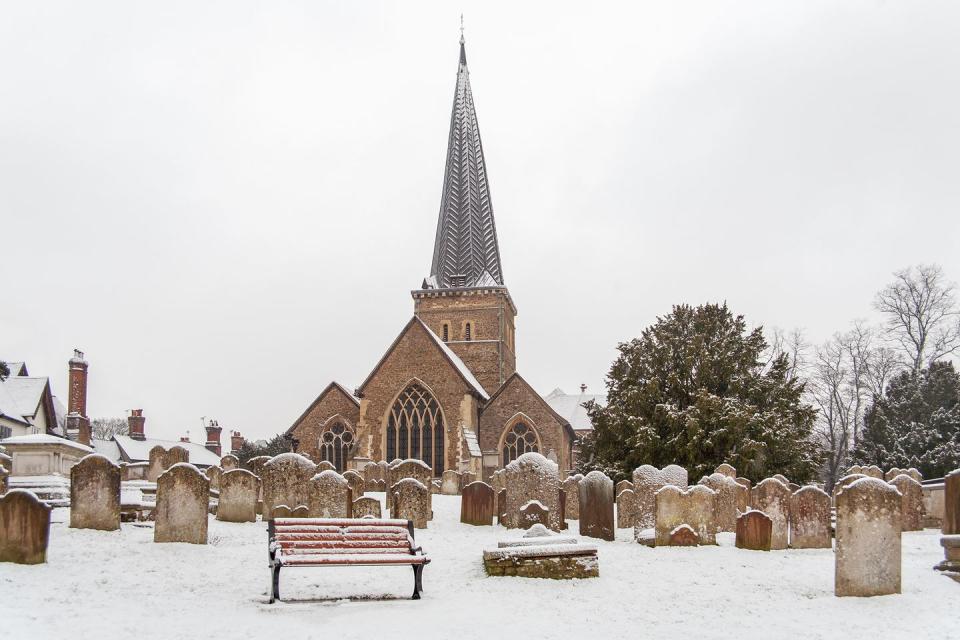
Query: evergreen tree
275,446
693,390
916,423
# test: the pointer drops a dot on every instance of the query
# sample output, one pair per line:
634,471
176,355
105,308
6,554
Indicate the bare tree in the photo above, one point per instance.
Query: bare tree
106,428
831,391
794,346
921,314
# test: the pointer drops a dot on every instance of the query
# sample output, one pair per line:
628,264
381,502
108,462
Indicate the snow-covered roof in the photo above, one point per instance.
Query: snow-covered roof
139,450
17,369
107,448
571,407
473,446
457,362
44,438
21,396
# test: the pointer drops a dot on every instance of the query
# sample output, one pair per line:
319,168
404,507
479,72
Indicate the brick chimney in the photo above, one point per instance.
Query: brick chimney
236,441
213,437
135,422
78,424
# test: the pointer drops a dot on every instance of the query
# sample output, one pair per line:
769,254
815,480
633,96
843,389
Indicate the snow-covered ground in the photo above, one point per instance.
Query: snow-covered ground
122,585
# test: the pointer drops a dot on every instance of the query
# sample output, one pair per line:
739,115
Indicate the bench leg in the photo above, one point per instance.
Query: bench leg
274,583
417,581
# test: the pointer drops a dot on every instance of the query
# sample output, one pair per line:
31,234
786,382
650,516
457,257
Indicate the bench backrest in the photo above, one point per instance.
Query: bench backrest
337,536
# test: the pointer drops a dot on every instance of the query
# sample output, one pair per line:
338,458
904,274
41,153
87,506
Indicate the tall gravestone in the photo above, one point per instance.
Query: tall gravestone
911,502
572,506
647,481
450,483
725,502
157,460
532,477
95,494
810,519
411,501
24,528
329,496
239,490
868,539
773,498
477,504
229,462
213,475
183,498
626,509
357,485
596,506
285,480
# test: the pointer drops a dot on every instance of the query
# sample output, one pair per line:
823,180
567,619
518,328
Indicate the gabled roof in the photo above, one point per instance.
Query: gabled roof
17,369
562,420
139,450
21,397
333,385
572,407
451,357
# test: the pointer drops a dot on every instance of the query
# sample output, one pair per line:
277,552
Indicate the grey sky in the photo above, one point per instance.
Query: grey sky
226,204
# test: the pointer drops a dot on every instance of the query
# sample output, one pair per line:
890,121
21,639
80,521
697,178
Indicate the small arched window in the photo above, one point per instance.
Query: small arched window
335,445
519,440
446,332
466,332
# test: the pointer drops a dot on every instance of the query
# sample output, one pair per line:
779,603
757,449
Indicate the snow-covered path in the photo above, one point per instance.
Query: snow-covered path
122,585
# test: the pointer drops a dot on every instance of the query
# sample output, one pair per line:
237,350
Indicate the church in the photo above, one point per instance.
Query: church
447,391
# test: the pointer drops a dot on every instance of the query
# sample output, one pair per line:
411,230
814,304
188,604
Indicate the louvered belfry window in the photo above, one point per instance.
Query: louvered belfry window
335,445
518,441
415,428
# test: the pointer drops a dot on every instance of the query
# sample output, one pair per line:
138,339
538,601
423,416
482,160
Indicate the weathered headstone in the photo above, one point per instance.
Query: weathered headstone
477,504
466,478
183,497
213,475
846,481
450,483
626,509
622,486
569,486
281,511
911,502
727,470
743,496
868,539
329,496
357,485
4,474
325,465
810,519
915,474
95,494
855,470
773,498
302,511
647,480
255,465
379,486
726,501
502,507
411,501
684,536
596,506
366,506
754,531
893,473
229,462
532,513
373,472
285,480
873,471
416,469
239,490
157,459
24,528
782,478
532,477
950,540
693,507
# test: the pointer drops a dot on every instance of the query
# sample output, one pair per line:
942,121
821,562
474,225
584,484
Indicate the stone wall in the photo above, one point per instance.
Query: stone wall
308,427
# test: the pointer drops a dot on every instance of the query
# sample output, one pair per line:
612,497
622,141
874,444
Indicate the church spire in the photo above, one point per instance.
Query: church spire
465,252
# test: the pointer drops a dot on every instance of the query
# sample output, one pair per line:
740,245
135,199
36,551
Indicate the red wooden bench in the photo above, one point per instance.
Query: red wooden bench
352,542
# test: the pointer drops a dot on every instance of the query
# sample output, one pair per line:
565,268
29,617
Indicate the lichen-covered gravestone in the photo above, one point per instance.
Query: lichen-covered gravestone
416,469
229,462
357,485
95,494
285,480
873,471
810,519
726,500
366,506
846,481
325,465
596,506
534,513
622,486
281,511
868,539
743,495
773,498
183,497
626,509
572,506
532,477
411,501
694,507
372,472
727,470
239,490
754,529
24,528
477,504
647,480
329,496
502,507
450,483
213,475
911,502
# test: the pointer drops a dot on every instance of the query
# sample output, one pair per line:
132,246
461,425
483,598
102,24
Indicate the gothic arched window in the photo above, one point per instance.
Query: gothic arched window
415,428
518,441
335,445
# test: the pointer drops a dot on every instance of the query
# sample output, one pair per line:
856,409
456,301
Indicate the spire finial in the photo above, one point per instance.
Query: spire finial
461,28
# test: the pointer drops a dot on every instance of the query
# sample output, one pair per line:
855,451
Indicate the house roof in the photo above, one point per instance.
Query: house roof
139,450
333,385
45,438
571,406
21,397
560,418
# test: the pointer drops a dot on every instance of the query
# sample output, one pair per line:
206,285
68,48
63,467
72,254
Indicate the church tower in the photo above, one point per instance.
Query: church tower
464,301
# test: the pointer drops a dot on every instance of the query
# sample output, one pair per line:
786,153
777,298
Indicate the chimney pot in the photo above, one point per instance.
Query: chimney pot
135,424
213,437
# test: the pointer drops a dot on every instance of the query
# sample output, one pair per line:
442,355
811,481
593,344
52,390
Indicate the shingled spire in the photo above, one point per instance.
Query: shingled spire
466,253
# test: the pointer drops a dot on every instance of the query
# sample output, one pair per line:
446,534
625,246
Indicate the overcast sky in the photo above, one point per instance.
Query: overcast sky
226,205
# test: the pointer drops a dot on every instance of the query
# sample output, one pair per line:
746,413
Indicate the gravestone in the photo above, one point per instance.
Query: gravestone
532,477
325,465
255,465
911,502
329,496
477,504
622,486
95,494
213,475
450,483
916,475
572,506
239,490
366,506
435,487
893,473
357,485
4,475
846,481
281,511
754,531
951,504
810,519
157,459
647,480
502,507
782,478
497,480
466,478
285,480
416,469
773,498
684,536
533,513
726,501
379,486
373,472
855,470
302,511
727,470
229,462
596,506
24,528
693,507
873,471
626,509
743,496
183,498
867,558
411,501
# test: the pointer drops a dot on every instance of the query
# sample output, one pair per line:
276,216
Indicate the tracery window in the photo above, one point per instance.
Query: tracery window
415,428
519,440
335,445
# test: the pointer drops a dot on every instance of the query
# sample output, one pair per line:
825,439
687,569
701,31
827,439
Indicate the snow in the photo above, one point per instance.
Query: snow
139,450
133,587
43,438
534,462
